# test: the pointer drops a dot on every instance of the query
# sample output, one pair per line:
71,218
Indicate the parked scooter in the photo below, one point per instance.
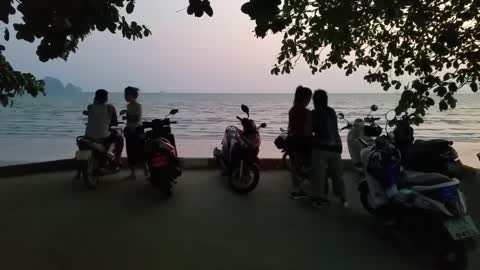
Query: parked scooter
281,142
428,208
161,153
435,155
366,129
95,158
238,158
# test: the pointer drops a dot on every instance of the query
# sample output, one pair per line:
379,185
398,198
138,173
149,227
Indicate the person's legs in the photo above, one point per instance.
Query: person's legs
335,171
130,147
113,146
296,174
118,149
318,174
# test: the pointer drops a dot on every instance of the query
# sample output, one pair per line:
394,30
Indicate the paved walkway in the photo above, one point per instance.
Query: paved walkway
50,222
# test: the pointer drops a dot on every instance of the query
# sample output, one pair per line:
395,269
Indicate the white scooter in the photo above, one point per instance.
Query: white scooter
428,208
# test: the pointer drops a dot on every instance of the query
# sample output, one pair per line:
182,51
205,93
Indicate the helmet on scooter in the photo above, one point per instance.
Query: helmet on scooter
280,142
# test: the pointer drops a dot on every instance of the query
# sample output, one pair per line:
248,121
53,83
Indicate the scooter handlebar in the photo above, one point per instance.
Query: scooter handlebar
363,142
349,126
371,119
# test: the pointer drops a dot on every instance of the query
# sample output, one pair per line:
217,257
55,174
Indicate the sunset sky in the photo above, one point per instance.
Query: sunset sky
185,54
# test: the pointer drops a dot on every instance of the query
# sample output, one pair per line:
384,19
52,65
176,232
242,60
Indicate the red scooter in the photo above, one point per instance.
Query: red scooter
161,153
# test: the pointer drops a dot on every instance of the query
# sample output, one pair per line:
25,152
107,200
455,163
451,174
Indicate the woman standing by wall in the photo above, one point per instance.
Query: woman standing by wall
326,159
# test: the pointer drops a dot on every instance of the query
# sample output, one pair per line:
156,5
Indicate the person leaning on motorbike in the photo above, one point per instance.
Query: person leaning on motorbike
102,116
299,136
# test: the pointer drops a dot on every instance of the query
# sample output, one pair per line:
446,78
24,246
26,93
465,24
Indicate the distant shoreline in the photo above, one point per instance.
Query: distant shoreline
265,93
244,93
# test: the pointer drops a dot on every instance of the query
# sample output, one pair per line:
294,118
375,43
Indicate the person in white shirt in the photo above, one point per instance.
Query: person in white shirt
102,116
134,134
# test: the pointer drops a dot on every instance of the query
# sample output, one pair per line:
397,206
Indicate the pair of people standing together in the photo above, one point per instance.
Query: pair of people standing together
316,143
102,116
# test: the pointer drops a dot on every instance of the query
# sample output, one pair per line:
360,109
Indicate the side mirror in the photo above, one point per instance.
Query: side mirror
340,116
245,109
173,112
374,108
391,115
263,125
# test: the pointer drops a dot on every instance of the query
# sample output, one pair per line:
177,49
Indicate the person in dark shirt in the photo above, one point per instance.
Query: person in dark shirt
298,137
326,153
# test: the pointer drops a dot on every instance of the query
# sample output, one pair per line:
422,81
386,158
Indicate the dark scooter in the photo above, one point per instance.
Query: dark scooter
238,157
95,158
427,209
435,155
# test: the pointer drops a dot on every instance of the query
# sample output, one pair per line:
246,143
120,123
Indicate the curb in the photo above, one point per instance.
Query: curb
187,164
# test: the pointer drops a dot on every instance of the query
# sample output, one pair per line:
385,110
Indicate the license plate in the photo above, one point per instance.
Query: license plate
462,228
83,155
159,161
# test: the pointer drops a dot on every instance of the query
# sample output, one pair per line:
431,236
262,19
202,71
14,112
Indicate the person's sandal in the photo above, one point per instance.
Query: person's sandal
319,203
344,203
298,195
131,177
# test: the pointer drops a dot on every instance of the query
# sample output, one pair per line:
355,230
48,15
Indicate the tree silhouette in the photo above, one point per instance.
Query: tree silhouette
59,26
433,45
420,47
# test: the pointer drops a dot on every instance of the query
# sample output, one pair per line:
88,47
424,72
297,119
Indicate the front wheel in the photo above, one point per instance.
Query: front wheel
287,161
244,180
453,256
162,183
366,199
90,177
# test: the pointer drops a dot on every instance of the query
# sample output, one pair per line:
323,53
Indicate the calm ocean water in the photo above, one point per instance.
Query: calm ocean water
205,116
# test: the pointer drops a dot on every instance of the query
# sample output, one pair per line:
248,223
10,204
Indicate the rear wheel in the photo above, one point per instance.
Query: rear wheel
453,256
166,187
161,183
366,200
90,177
246,181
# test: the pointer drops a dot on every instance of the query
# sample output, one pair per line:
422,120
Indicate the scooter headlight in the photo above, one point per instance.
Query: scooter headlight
450,154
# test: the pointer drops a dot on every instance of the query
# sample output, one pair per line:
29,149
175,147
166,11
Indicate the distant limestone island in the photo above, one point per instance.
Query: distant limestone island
55,87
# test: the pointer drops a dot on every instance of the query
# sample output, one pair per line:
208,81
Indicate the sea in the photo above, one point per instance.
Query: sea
43,128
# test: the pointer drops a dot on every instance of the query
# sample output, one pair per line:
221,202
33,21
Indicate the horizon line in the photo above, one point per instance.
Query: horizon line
243,93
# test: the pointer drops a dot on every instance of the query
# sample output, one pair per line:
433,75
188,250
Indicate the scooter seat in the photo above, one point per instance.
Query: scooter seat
432,143
418,179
